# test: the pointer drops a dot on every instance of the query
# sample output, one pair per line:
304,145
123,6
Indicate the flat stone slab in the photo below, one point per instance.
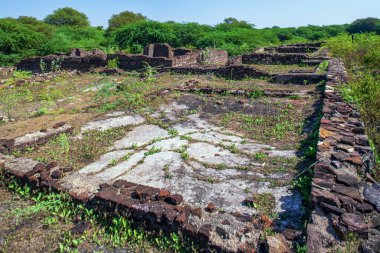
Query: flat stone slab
196,162
110,123
35,138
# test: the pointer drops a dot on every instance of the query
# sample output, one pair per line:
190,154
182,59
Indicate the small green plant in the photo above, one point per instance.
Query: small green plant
232,148
303,185
260,156
206,56
43,66
221,166
19,74
264,202
113,162
185,137
56,64
113,63
323,66
152,151
149,72
173,133
301,248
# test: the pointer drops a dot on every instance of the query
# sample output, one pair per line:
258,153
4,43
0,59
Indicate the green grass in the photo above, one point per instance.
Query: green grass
107,229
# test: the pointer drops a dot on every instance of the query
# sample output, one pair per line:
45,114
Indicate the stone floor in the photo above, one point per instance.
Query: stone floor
203,162
218,149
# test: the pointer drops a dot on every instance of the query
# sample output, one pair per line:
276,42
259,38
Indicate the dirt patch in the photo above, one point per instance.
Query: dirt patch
20,128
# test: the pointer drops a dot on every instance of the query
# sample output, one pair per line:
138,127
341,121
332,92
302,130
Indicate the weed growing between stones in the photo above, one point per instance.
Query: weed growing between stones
102,230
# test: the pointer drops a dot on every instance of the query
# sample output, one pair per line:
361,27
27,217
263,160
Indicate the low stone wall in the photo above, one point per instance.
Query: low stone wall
297,49
215,57
152,208
299,78
34,139
129,62
230,72
155,55
190,59
344,196
83,64
274,59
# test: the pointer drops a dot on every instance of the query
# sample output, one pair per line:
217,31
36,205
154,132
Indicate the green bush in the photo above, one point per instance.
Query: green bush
65,38
16,38
124,18
362,58
364,51
67,17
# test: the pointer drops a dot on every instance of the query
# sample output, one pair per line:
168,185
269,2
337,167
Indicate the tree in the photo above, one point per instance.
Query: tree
67,16
124,18
230,23
16,38
36,25
364,25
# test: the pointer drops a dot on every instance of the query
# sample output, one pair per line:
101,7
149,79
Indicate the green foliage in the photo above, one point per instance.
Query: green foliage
66,37
362,58
67,17
16,38
124,18
324,66
365,25
364,52
11,98
364,90
235,36
26,36
303,185
106,229
113,63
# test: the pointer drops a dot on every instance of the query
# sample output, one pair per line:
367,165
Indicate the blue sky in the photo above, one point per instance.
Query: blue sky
263,13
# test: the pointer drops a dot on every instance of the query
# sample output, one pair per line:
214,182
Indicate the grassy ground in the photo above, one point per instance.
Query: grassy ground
285,123
35,221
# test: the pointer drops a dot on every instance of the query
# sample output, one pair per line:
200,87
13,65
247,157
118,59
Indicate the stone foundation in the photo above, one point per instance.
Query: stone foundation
155,55
34,139
274,59
342,191
235,72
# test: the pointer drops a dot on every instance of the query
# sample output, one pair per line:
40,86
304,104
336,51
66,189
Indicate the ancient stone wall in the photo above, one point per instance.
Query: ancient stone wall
159,50
343,193
274,59
138,62
83,64
214,57
189,59
299,78
152,208
34,139
236,72
155,55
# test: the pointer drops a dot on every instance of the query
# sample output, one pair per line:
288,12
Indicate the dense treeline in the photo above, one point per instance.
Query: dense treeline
67,28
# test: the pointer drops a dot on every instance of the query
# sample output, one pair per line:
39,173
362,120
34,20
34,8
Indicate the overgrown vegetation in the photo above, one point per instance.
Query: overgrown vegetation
67,28
362,59
107,230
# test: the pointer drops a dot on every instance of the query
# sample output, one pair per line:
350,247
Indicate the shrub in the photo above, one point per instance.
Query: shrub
68,17
124,18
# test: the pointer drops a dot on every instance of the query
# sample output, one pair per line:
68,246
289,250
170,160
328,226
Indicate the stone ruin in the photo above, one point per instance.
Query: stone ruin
182,60
345,198
155,55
